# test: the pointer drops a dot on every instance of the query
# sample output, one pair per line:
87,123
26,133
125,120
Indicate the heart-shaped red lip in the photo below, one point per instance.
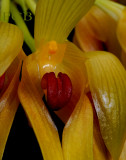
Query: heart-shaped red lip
59,90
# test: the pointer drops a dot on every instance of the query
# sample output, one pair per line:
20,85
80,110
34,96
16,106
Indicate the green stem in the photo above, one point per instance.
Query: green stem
21,24
113,9
5,10
31,5
22,4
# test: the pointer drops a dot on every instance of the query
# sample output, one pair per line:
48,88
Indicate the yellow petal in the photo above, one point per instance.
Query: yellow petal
95,29
39,117
9,103
55,19
107,81
73,58
78,84
84,39
11,40
113,9
78,133
99,149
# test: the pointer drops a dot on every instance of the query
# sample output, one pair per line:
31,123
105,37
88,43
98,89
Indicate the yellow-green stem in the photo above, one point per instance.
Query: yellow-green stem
21,24
22,4
31,5
5,10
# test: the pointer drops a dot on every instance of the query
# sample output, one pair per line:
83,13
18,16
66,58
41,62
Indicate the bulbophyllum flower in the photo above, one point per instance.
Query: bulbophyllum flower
11,56
55,69
58,69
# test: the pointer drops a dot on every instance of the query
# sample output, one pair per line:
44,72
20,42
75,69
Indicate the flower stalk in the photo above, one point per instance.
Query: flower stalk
5,10
31,5
21,24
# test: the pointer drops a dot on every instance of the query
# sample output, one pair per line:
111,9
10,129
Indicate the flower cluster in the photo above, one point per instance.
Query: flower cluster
83,82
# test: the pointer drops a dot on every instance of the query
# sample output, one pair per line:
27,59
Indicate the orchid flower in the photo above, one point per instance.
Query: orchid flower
55,56
57,63
66,76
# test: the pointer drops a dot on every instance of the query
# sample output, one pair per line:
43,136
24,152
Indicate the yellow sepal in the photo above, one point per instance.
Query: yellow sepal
107,82
11,40
9,102
55,19
77,139
43,126
100,151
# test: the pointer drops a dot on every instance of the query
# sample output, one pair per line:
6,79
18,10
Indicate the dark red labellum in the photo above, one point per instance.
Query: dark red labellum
59,90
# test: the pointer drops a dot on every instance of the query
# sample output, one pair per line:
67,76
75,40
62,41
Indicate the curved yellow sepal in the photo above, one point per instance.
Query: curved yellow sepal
89,32
9,102
78,133
55,19
39,117
107,81
11,40
100,151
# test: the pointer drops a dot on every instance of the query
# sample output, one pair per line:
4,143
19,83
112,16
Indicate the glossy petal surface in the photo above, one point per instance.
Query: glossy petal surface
78,133
99,149
39,117
107,81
